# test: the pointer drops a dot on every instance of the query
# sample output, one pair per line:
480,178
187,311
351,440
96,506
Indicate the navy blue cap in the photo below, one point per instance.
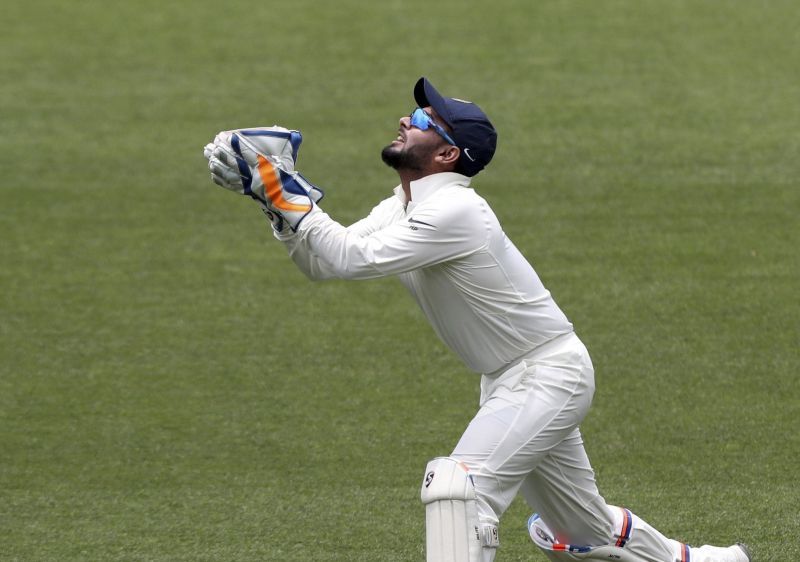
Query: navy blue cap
472,130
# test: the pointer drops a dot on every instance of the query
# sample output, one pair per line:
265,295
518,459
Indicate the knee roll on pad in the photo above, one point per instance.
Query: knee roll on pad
453,530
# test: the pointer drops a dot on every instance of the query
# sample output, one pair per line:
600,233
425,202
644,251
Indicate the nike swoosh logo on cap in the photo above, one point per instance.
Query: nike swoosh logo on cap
466,152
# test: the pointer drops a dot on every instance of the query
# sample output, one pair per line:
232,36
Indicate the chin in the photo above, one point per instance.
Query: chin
399,157
392,155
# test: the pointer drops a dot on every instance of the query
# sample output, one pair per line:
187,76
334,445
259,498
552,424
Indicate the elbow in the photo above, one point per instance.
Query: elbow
318,278
315,275
355,273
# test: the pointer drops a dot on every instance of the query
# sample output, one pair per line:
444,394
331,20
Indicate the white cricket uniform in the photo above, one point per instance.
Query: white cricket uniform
488,305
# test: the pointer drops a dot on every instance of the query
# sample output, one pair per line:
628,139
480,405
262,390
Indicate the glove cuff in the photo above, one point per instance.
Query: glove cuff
276,220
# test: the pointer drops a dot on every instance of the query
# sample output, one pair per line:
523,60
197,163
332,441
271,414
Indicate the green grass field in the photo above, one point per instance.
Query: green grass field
172,388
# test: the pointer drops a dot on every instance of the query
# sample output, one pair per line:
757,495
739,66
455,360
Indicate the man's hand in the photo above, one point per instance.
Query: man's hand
260,163
224,170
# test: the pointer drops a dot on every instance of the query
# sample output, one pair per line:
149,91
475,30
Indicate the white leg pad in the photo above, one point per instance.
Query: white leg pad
560,552
453,530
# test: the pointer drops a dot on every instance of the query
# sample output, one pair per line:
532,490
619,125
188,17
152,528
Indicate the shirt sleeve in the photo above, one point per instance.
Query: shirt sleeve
436,231
312,264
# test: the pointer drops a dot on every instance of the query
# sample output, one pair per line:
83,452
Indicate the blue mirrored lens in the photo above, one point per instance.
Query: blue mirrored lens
420,119
423,122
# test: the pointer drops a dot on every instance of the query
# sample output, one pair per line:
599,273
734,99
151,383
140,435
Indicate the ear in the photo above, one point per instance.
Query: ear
448,155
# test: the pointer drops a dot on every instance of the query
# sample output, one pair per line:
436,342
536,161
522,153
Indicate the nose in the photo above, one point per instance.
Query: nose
405,122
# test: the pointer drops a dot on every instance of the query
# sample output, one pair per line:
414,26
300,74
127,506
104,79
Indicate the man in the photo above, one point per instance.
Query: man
485,302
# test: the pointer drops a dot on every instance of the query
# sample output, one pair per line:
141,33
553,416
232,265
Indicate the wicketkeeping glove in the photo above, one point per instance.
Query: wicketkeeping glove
259,162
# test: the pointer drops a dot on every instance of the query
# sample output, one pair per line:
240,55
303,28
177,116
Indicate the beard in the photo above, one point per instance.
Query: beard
413,158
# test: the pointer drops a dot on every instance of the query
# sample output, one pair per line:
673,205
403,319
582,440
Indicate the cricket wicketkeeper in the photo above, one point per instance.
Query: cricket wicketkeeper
486,302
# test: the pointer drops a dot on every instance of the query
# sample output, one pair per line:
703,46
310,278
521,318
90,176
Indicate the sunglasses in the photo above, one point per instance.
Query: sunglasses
423,121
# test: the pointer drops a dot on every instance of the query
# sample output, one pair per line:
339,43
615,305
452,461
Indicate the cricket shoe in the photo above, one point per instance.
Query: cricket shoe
745,550
734,553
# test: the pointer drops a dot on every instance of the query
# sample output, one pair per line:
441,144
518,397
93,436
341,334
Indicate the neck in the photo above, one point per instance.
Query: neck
406,177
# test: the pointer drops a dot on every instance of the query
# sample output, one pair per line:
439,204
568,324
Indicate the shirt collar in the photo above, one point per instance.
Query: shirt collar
423,188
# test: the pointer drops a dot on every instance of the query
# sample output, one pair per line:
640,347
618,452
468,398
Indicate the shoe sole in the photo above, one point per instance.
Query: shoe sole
746,551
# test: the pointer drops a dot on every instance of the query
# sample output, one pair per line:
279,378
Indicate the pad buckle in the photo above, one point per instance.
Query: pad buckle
490,536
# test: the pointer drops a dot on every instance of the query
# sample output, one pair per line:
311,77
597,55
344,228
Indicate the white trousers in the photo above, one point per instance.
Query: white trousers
525,438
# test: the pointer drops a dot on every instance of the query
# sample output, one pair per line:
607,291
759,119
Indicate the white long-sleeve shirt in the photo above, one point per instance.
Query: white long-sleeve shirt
479,293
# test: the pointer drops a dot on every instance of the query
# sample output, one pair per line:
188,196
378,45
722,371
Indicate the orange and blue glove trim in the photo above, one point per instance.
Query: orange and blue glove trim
286,194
